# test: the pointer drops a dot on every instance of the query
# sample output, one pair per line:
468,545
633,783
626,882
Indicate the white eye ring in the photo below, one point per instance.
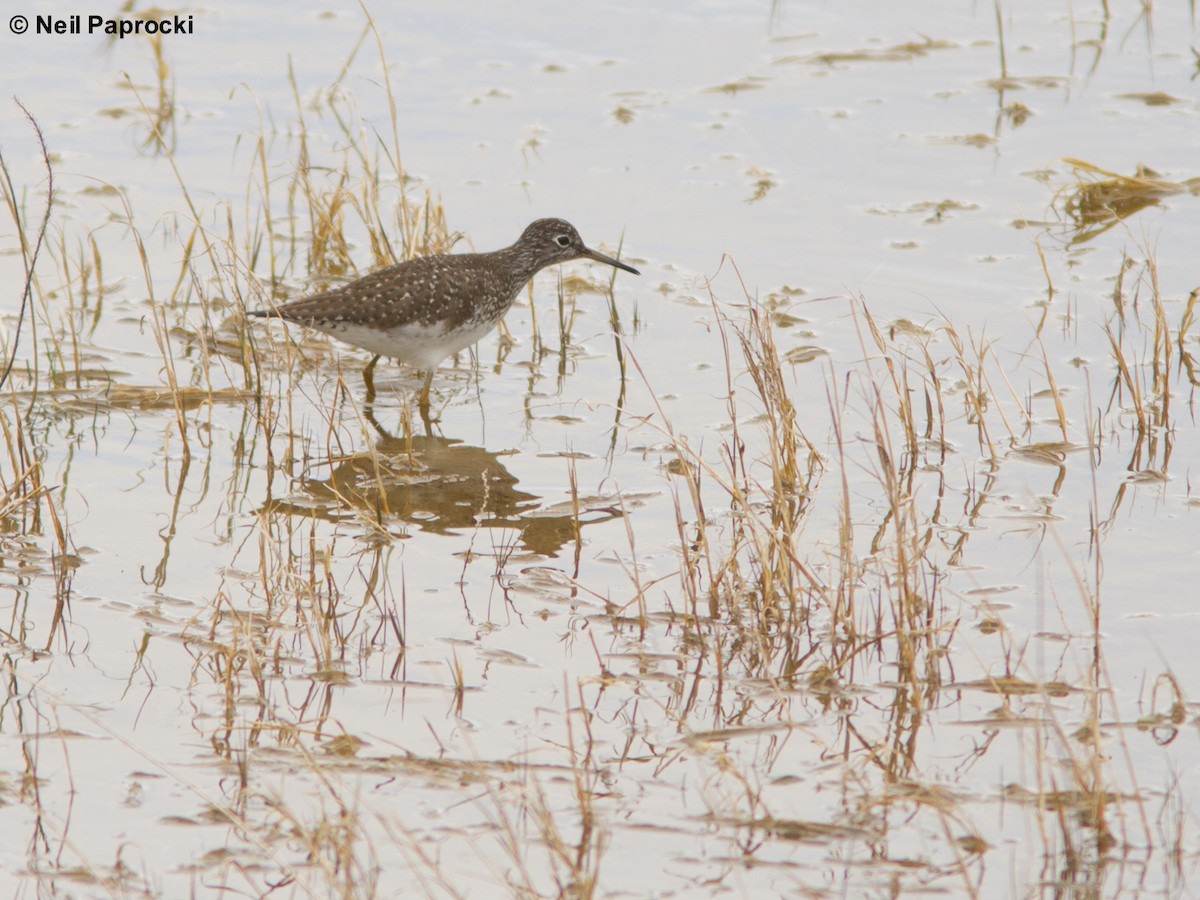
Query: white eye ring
563,241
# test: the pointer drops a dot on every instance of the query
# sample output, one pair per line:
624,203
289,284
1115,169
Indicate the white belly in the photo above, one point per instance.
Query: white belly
423,347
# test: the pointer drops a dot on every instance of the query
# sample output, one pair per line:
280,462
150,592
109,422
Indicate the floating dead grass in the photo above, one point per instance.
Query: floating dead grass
151,397
905,52
1101,199
979,140
749,83
1153,98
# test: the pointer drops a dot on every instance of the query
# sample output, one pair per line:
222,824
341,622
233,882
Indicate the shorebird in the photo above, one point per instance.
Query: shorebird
427,309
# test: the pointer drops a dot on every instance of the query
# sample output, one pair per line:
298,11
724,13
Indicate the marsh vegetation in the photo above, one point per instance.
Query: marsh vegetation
708,584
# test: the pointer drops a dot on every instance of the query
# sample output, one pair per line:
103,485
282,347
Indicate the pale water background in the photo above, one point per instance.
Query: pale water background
806,156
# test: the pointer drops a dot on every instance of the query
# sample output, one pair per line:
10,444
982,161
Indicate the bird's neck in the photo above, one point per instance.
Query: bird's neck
521,262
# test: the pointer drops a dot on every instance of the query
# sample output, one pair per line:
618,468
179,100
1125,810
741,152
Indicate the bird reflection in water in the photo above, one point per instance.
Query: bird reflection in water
441,485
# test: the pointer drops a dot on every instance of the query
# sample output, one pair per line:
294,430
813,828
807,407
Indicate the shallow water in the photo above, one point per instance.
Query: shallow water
299,642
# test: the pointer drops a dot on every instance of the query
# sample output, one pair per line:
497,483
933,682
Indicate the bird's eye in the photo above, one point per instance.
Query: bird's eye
563,241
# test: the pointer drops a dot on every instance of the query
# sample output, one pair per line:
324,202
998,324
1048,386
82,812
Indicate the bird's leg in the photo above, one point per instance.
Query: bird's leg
423,400
369,378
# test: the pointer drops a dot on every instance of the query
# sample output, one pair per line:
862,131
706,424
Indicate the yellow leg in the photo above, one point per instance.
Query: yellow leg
369,378
423,401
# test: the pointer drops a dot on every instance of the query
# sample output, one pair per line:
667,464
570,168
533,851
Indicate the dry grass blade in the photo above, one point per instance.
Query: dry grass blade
29,255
